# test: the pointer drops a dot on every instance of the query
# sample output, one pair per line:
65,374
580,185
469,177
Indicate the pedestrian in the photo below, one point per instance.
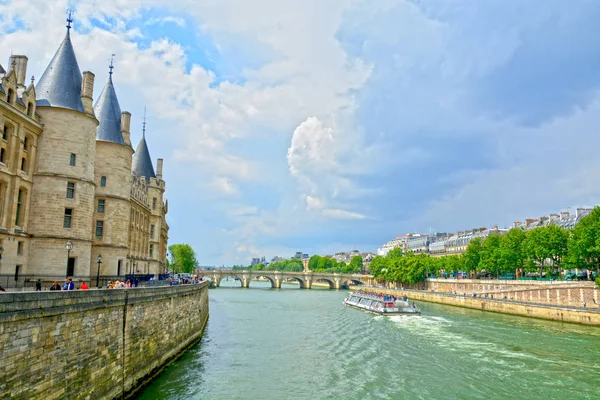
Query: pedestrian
69,285
584,304
55,286
38,286
84,286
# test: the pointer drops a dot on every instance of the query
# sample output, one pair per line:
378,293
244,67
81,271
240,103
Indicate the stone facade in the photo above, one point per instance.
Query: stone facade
63,178
99,344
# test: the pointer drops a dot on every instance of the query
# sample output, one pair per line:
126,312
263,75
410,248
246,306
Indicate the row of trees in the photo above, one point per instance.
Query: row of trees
293,265
544,250
331,265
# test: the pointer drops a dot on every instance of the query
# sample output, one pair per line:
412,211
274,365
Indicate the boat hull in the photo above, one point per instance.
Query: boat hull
383,310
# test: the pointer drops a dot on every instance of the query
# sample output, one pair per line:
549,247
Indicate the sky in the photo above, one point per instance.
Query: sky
327,125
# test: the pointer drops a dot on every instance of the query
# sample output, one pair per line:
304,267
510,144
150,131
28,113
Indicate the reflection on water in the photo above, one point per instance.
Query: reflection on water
292,343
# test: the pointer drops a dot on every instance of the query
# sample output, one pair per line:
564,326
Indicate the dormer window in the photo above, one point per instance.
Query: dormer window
30,109
10,96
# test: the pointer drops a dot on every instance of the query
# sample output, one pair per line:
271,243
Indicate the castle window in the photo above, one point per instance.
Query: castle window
154,203
101,206
20,202
68,218
25,144
102,181
152,231
70,190
23,164
151,250
10,97
6,132
99,229
20,248
72,159
2,155
30,109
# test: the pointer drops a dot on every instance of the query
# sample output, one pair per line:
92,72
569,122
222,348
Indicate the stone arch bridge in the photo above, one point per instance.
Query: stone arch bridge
304,279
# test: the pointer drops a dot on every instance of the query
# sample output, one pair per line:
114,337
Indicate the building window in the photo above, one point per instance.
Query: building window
102,181
2,155
152,231
23,164
154,203
68,218
72,159
9,98
20,248
101,206
5,132
151,250
25,144
99,229
30,109
20,202
70,190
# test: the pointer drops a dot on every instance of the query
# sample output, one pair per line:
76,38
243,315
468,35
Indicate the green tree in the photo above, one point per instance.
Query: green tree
535,250
183,257
378,265
584,243
313,263
472,255
511,248
356,265
556,242
491,256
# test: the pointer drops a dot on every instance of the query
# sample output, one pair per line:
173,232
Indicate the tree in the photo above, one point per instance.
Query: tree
490,254
584,243
183,257
356,265
535,250
512,256
472,256
556,243
313,263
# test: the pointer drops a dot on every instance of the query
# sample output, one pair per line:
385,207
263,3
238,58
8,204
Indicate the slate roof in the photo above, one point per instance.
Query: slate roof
142,162
60,85
108,112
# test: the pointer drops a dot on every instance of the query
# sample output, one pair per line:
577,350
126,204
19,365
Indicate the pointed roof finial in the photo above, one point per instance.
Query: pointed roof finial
69,19
144,124
32,79
112,65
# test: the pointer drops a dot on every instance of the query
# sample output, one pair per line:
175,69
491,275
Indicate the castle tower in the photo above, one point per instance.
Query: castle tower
113,183
148,239
62,195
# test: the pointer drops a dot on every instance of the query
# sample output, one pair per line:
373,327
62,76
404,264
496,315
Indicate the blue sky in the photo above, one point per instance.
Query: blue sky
322,126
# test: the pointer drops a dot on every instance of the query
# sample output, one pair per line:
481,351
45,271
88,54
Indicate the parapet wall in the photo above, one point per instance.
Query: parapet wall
97,344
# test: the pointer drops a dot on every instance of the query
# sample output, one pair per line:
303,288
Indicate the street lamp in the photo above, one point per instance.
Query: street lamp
69,246
98,274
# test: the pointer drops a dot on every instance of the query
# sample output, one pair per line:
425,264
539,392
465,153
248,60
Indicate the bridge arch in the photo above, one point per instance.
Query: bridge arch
301,282
323,280
257,277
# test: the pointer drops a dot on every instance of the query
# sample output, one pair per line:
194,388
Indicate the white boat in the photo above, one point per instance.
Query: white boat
381,304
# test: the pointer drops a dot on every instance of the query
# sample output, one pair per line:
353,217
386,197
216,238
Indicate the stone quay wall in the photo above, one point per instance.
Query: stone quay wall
94,344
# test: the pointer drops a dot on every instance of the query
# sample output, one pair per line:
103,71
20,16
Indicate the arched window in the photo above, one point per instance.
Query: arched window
10,97
30,109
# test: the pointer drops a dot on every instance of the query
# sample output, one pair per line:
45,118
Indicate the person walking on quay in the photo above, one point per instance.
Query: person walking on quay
84,286
38,286
69,285
55,286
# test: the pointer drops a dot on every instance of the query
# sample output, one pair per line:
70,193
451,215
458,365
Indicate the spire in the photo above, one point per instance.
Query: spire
69,19
60,84
108,112
111,66
142,162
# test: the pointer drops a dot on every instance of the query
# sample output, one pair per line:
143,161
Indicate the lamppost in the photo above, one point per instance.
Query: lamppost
98,274
69,246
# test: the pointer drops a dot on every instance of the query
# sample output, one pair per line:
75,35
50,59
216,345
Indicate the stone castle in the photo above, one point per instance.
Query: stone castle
71,187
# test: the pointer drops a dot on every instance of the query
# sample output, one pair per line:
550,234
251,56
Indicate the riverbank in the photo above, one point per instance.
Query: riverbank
576,315
100,344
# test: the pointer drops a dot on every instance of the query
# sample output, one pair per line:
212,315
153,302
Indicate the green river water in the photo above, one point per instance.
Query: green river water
304,344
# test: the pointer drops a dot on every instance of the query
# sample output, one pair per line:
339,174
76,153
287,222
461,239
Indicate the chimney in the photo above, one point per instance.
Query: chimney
19,63
564,215
460,233
483,229
87,92
159,166
580,211
516,224
495,227
554,217
125,126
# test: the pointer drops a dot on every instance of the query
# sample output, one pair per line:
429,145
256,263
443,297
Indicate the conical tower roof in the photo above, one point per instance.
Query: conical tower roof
60,85
108,112
142,163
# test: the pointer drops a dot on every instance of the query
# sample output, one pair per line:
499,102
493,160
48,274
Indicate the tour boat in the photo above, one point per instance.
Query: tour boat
381,304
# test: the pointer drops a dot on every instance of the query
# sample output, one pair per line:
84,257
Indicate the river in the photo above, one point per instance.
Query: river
304,344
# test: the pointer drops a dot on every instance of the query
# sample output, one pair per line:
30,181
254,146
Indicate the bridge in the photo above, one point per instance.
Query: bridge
304,279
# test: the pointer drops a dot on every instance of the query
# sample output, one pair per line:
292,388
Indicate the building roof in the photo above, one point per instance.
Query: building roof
60,85
108,112
142,163
2,71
